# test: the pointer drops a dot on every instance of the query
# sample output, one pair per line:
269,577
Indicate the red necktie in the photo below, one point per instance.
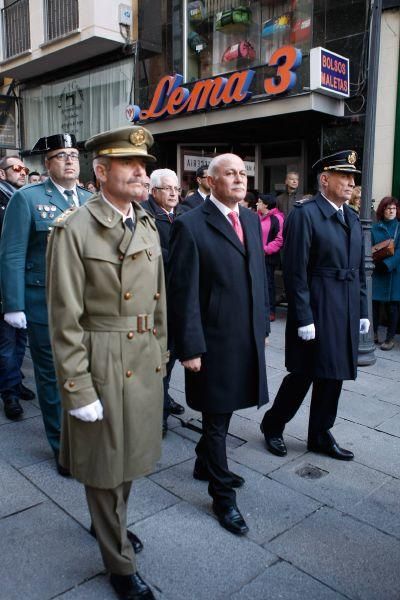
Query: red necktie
234,218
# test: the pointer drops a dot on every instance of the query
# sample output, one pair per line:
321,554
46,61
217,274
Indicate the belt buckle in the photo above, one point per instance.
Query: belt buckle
142,319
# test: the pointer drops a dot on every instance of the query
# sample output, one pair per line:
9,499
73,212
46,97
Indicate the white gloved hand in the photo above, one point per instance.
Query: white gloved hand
16,319
90,412
364,326
307,332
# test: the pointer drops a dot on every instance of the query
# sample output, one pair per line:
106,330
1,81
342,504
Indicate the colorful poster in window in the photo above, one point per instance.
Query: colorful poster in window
8,128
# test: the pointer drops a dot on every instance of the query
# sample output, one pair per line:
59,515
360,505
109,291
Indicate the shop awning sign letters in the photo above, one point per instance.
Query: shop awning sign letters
171,98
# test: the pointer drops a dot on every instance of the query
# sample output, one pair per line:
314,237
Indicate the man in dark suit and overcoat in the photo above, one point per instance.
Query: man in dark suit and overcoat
327,306
199,196
218,316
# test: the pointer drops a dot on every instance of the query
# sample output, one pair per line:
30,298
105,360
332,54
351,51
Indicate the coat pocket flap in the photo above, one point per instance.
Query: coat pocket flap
102,254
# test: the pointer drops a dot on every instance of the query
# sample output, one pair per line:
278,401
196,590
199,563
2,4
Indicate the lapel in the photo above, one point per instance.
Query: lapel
216,219
82,195
330,212
350,216
54,196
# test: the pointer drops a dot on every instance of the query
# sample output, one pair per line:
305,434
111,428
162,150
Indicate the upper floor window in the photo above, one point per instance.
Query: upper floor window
15,24
61,17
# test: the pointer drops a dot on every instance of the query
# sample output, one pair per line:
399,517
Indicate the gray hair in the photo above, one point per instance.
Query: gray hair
158,175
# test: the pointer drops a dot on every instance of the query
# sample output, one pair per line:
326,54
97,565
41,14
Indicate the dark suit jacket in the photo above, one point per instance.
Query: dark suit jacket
325,285
194,200
218,308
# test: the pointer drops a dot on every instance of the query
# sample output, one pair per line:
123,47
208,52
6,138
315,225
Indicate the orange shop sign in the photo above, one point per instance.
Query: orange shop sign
171,98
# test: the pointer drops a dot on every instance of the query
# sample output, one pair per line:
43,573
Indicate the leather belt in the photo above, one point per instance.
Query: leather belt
139,323
339,274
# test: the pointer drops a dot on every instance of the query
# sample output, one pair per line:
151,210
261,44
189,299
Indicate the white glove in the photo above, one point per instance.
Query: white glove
307,332
90,412
16,319
364,325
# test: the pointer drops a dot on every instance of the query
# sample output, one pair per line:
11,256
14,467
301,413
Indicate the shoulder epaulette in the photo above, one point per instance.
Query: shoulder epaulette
62,219
300,203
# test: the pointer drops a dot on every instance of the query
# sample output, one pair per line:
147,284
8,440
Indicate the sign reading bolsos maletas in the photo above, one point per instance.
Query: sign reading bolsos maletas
171,98
329,73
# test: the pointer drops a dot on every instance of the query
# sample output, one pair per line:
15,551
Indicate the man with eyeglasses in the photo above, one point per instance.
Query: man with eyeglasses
202,191
28,220
163,204
13,174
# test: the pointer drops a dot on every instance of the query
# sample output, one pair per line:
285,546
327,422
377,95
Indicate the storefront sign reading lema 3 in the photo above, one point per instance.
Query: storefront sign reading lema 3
171,98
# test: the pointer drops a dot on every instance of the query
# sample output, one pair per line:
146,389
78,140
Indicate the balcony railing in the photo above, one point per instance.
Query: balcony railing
62,17
16,29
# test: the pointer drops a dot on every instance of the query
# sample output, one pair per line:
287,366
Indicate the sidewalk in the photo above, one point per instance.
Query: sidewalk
320,529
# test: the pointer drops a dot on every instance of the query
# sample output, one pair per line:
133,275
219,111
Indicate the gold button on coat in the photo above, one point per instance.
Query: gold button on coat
129,373
127,295
130,335
156,296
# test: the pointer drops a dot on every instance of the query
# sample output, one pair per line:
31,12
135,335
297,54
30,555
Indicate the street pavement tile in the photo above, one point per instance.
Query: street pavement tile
385,366
99,588
257,457
365,410
268,507
382,508
43,553
391,426
284,582
16,492
371,448
30,410
146,497
374,386
174,448
339,484
24,443
275,357
188,555
351,557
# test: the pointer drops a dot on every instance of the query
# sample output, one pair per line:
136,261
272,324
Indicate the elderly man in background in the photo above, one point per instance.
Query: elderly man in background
287,199
30,216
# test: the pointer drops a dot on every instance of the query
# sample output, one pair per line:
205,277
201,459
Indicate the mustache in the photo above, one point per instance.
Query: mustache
135,180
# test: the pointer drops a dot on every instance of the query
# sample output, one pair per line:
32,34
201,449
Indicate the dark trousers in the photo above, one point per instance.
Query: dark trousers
46,382
271,285
393,317
293,389
166,380
211,453
12,351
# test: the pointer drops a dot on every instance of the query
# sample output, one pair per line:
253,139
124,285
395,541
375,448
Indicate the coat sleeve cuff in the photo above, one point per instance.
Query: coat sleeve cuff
78,391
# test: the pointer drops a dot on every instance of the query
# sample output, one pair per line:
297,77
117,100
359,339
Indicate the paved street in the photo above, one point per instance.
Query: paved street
319,529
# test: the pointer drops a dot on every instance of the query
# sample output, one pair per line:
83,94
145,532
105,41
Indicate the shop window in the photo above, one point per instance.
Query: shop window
224,36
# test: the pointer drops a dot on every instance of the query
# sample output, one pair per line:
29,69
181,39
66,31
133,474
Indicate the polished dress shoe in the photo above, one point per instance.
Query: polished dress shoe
63,471
131,587
201,473
230,518
25,393
326,444
12,408
137,544
274,443
174,408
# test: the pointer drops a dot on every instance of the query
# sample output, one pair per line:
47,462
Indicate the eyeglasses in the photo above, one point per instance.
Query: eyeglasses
146,186
390,208
170,189
64,156
17,169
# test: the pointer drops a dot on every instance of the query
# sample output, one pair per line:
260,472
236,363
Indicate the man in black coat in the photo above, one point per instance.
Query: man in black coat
218,315
163,205
327,306
202,191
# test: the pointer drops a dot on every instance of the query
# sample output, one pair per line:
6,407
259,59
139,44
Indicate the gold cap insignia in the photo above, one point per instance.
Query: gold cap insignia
352,158
138,137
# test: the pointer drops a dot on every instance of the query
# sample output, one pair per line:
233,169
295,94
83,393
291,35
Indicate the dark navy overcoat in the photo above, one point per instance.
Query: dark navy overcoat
218,308
325,285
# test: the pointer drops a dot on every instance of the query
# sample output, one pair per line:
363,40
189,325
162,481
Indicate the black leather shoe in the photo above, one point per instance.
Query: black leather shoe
326,444
174,408
25,393
12,408
230,518
200,472
137,544
131,587
62,470
274,443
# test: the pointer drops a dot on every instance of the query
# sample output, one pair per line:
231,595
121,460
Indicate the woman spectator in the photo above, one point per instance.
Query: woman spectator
386,275
355,200
272,225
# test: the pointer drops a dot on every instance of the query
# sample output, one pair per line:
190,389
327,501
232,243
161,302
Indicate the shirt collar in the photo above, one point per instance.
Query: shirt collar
124,217
223,208
204,196
332,203
62,189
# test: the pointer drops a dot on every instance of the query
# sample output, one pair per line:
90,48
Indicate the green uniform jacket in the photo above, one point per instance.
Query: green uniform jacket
30,215
105,287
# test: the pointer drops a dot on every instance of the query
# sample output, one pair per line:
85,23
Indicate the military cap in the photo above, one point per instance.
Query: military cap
131,141
340,162
54,142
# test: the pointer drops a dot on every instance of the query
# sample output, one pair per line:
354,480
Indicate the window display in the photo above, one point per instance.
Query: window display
226,35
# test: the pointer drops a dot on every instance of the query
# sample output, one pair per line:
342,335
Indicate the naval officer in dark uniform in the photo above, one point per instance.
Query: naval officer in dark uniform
28,221
327,306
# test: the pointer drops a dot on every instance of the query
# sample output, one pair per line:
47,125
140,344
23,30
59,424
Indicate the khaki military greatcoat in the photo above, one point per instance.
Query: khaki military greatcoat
107,313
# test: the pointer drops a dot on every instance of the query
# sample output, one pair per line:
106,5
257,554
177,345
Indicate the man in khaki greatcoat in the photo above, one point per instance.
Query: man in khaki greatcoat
107,314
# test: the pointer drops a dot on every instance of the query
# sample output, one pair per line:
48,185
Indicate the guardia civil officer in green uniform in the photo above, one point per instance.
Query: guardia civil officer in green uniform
29,217
107,311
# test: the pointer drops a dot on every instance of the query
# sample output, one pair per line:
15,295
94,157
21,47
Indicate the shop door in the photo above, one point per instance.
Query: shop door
274,172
